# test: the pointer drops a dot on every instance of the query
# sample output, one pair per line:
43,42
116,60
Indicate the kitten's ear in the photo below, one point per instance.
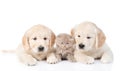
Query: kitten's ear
59,36
72,39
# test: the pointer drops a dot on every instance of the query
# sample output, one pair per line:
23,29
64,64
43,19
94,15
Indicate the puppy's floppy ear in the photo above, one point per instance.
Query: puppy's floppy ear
72,31
25,42
100,38
52,39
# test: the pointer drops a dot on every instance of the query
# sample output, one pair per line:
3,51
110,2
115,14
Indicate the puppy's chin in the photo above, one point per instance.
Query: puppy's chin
36,51
85,49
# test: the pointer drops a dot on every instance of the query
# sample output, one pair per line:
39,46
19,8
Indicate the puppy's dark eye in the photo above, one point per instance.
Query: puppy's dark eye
88,37
34,38
78,35
45,38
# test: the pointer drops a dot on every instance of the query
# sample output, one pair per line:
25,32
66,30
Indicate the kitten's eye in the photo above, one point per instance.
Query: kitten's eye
78,35
67,43
88,37
34,38
61,42
45,38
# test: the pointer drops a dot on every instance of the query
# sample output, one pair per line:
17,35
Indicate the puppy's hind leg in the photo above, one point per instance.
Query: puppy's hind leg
107,57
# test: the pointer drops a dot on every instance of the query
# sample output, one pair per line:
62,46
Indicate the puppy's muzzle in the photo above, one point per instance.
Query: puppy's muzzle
81,46
40,48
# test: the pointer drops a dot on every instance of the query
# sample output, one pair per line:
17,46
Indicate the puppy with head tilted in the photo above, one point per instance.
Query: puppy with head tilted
90,44
37,44
65,45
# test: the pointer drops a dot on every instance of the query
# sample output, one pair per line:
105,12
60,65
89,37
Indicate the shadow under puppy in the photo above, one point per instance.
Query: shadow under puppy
65,46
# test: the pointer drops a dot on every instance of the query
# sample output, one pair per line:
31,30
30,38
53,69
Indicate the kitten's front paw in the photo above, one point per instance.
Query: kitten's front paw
72,60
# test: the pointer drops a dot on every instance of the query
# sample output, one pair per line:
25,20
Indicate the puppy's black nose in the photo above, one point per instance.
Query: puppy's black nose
81,46
41,48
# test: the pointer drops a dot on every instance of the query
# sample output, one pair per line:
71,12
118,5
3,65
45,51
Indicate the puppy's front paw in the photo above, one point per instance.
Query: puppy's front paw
31,62
89,60
52,59
84,59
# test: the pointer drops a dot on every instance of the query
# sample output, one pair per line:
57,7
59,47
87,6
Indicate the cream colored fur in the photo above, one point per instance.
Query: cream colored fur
93,38
35,37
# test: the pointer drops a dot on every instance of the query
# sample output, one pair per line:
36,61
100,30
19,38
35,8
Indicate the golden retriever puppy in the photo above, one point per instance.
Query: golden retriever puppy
65,46
90,44
37,44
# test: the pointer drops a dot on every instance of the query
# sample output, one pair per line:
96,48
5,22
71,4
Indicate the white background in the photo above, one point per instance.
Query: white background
16,16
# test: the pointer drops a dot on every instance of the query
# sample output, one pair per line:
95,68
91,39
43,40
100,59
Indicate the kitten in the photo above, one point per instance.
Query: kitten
65,46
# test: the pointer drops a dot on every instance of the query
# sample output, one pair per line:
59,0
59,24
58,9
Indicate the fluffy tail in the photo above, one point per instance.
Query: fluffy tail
8,51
